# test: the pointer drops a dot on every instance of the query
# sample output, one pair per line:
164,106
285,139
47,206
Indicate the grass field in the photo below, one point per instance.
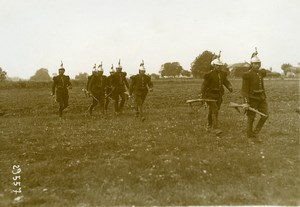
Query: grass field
167,160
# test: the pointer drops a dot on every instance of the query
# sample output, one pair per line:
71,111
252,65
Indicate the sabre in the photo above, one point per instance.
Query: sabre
90,94
237,106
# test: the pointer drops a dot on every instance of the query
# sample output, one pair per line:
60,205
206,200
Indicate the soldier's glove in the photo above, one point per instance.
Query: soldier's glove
200,96
151,89
246,106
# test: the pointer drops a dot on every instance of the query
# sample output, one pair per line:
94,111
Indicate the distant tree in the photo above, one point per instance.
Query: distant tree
202,64
81,76
171,69
41,75
186,73
3,75
154,76
285,67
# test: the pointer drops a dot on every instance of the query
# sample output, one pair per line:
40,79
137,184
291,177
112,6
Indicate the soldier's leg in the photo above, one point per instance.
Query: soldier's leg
116,104
250,119
215,112
102,100
143,97
136,105
65,100
209,118
94,103
123,98
263,107
106,104
59,100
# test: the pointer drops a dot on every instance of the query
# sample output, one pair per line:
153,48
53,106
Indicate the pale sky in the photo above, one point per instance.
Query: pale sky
40,33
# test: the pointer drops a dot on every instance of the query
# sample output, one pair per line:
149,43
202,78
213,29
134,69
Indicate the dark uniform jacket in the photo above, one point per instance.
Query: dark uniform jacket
253,85
97,84
139,84
119,81
61,84
212,86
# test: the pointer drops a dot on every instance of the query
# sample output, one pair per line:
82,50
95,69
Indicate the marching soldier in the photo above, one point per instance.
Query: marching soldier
109,88
90,76
253,92
96,88
139,86
61,84
119,82
212,88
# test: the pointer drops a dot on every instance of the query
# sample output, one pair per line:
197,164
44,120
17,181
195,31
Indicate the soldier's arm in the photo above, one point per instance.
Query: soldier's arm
246,87
53,86
227,83
204,85
90,83
150,84
126,82
69,83
132,82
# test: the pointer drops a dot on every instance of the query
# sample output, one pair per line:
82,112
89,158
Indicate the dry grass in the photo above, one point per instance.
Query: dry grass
167,160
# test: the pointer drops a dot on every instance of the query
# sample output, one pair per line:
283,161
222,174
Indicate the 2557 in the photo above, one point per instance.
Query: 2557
16,171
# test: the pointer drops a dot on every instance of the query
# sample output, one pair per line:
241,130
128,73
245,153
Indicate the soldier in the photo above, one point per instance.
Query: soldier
253,92
61,84
139,87
96,88
119,82
90,76
109,88
212,88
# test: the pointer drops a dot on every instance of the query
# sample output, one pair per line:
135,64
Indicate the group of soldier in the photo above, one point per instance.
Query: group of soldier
253,92
103,89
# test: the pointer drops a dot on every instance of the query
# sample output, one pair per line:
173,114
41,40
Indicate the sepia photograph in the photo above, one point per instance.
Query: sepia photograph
149,103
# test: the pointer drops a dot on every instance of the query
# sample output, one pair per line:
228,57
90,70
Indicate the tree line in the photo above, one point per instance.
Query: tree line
200,66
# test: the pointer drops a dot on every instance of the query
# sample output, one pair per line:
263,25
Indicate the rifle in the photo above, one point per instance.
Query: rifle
237,106
193,103
89,94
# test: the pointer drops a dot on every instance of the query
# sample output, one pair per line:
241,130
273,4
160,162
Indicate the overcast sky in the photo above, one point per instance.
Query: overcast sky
40,33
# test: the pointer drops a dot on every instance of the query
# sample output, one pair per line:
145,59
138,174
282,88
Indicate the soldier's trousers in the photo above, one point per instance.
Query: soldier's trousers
63,99
262,106
107,99
213,111
139,99
98,97
119,106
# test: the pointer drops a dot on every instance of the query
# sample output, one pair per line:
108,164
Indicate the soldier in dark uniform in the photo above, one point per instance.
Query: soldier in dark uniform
118,83
139,86
212,88
109,88
96,88
253,92
61,84
90,76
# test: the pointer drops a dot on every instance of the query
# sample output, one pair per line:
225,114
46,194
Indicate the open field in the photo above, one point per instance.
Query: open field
167,160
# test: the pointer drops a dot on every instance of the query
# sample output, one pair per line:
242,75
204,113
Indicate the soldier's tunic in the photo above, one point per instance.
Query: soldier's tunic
253,92
60,88
139,87
119,82
212,88
97,86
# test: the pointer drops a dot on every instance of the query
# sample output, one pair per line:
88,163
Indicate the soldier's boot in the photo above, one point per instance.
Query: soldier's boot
209,122
258,127
216,130
250,133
